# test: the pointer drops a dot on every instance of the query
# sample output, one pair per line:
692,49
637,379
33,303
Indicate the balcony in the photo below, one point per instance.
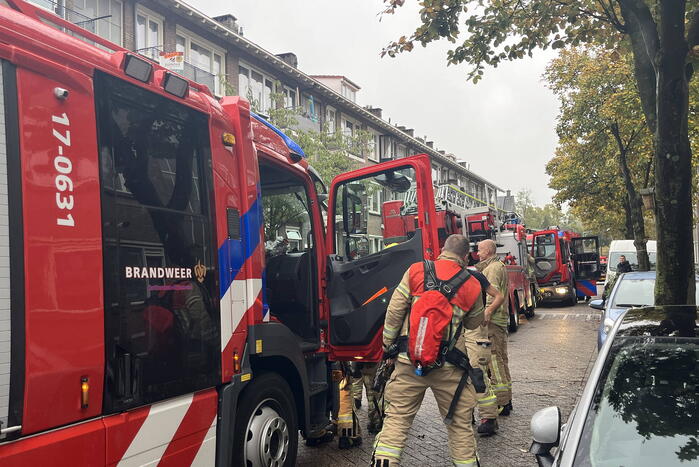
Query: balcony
308,122
190,71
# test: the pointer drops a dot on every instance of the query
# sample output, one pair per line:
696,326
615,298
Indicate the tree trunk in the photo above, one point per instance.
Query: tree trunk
660,53
639,233
628,221
675,283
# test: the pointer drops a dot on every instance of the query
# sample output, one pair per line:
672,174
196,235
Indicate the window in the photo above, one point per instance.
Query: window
149,33
375,244
160,291
545,247
350,130
373,147
330,119
387,147
289,251
643,409
310,107
258,88
356,199
289,97
376,198
401,152
349,93
204,62
631,257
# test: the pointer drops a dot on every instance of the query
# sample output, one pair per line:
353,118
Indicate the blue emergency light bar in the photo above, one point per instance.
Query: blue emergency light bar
290,143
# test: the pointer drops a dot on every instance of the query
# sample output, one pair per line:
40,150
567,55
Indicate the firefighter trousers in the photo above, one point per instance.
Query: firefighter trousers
403,395
347,421
498,367
366,380
478,348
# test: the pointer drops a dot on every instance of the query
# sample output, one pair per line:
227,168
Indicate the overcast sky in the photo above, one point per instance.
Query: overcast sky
504,126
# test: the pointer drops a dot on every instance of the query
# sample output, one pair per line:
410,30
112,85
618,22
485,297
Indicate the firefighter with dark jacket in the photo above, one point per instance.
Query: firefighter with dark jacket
406,386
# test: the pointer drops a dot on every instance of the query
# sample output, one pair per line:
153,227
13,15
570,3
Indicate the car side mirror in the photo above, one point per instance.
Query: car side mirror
546,434
597,304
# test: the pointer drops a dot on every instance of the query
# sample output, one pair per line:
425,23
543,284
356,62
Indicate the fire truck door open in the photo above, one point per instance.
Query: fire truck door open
378,225
586,258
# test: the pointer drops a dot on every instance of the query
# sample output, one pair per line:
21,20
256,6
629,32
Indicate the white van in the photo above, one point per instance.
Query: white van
627,248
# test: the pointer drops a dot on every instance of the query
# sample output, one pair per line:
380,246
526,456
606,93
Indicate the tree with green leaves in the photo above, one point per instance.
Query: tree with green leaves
543,217
604,152
663,36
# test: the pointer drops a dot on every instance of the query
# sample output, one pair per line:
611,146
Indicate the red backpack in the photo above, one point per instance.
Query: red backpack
431,319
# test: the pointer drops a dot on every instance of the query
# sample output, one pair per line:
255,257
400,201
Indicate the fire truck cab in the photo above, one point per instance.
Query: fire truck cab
152,307
567,265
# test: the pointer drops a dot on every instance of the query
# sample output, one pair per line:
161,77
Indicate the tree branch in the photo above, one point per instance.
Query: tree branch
649,167
611,15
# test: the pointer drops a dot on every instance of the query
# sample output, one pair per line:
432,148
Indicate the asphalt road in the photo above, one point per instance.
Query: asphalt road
550,358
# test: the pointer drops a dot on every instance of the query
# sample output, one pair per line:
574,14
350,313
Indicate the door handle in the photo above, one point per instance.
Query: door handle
364,268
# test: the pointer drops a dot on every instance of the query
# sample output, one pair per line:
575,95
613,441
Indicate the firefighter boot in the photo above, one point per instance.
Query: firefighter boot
506,409
325,436
488,427
383,463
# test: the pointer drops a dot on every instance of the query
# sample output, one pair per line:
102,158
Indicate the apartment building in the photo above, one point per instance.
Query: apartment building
217,54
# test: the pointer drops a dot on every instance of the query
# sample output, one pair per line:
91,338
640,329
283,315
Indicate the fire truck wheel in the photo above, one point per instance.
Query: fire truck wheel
514,316
267,417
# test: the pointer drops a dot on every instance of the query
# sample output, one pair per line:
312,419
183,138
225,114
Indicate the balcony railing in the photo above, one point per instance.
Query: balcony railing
103,26
190,71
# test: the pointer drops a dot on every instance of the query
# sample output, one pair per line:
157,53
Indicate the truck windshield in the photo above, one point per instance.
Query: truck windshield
631,257
644,410
545,247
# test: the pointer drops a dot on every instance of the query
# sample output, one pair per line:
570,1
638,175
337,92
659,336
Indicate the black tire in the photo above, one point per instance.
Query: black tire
514,316
266,425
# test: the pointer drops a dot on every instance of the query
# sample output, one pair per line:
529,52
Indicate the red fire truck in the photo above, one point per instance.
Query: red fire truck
143,316
567,265
454,215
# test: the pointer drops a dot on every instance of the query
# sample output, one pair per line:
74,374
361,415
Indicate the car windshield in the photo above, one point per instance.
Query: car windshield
644,411
631,257
637,292
545,247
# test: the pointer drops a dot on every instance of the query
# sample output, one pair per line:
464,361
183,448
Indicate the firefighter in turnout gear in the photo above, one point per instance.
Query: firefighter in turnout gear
451,384
363,374
491,266
478,346
348,430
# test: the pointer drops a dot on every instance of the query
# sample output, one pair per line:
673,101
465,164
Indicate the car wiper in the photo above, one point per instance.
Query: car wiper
628,305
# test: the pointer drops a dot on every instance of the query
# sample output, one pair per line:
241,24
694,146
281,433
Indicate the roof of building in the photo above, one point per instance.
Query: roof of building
344,78
232,37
